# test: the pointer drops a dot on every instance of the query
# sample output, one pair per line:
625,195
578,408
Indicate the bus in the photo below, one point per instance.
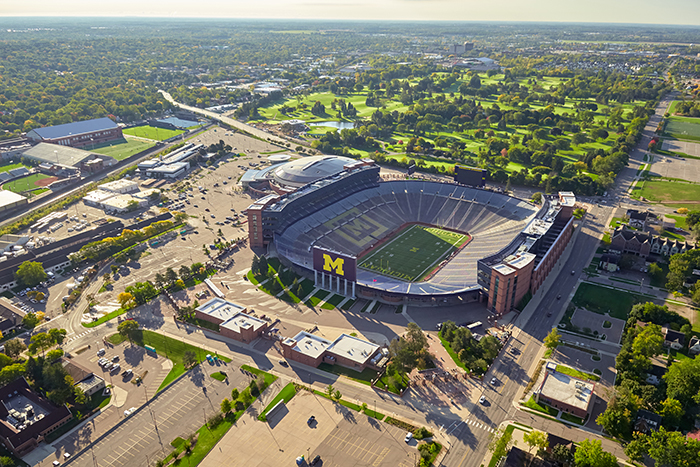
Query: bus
473,326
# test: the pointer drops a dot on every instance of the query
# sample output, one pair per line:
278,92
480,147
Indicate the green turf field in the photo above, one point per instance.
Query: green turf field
25,183
413,253
121,151
152,132
666,192
683,128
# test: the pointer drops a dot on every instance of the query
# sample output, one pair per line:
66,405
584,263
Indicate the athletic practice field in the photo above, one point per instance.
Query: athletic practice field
414,252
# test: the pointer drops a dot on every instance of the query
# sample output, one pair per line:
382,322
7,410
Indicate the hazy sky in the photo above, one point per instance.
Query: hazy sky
606,11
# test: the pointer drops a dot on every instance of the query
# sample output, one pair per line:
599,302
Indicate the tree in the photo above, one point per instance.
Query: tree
537,197
30,273
14,347
536,439
126,327
655,272
225,406
667,448
57,335
30,320
234,394
6,461
672,411
590,454
553,339
184,272
189,359
330,390
126,300
562,454
40,342
648,342
170,275
79,396
683,381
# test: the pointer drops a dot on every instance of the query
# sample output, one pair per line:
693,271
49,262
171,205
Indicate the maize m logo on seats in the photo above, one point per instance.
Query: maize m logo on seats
335,264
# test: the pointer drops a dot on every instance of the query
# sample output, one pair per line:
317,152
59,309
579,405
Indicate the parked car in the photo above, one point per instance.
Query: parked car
283,363
317,458
101,352
408,438
482,400
311,420
493,381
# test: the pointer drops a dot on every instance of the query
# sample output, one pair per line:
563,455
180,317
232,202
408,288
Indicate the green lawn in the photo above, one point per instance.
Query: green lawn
152,132
343,402
333,302
364,377
666,191
12,165
167,347
316,298
269,378
125,149
572,418
452,353
25,183
218,376
105,318
543,408
385,383
413,253
602,299
680,220
285,394
501,446
683,128
576,373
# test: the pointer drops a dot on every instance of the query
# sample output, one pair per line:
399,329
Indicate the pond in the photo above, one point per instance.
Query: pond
338,125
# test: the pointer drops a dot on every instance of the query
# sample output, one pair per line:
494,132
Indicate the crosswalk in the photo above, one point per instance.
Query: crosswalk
479,425
78,336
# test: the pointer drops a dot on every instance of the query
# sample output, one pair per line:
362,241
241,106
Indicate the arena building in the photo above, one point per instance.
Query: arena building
87,133
410,241
289,175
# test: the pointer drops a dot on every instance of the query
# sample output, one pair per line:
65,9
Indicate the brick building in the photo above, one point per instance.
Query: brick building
88,133
232,319
566,393
347,351
626,240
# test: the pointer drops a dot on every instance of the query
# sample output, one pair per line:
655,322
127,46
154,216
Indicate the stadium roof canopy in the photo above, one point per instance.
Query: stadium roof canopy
75,128
57,154
307,170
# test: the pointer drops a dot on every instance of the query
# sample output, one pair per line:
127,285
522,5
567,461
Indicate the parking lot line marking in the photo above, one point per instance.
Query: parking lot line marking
380,457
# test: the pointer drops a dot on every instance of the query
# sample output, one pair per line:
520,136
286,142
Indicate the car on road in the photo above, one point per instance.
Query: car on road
438,326
408,438
549,313
482,400
573,272
559,297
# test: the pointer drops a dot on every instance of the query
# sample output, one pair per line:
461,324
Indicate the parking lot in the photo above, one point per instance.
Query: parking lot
341,437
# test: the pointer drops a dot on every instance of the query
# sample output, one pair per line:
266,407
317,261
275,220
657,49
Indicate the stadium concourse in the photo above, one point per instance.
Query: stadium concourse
352,214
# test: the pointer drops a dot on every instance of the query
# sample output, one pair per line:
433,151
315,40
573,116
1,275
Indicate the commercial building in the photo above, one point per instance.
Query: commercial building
87,133
123,203
120,186
66,157
347,351
566,393
83,378
10,200
232,319
26,417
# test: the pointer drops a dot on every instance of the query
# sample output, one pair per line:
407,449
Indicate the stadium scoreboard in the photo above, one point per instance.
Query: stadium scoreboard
335,264
471,176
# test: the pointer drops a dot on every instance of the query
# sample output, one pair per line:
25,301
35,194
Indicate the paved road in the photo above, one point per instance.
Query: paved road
226,120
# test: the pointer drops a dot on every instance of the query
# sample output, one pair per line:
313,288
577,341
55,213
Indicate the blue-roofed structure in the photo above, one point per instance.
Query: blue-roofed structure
78,134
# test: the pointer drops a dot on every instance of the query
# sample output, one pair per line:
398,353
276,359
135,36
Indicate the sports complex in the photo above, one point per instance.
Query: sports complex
406,241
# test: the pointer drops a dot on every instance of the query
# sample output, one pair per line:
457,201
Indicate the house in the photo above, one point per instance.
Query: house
673,339
694,346
10,316
639,219
26,417
626,240
669,247
647,422
655,373
518,458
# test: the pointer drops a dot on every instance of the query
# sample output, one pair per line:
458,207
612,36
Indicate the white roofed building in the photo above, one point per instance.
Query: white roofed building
348,351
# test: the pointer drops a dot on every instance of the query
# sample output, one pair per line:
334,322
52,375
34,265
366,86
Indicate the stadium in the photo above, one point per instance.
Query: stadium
409,241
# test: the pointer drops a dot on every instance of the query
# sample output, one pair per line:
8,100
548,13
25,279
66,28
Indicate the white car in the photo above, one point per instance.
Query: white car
128,412
482,400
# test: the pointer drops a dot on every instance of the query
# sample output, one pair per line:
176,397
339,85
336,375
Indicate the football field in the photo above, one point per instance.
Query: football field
413,253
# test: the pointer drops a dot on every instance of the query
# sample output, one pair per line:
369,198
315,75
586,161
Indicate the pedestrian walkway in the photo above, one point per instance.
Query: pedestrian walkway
78,336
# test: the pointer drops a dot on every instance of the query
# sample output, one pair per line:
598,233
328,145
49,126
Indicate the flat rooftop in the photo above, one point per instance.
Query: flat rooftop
220,309
242,321
310,345
567,389
352,348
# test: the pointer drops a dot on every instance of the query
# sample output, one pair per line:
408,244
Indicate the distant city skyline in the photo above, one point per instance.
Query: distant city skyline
680,12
